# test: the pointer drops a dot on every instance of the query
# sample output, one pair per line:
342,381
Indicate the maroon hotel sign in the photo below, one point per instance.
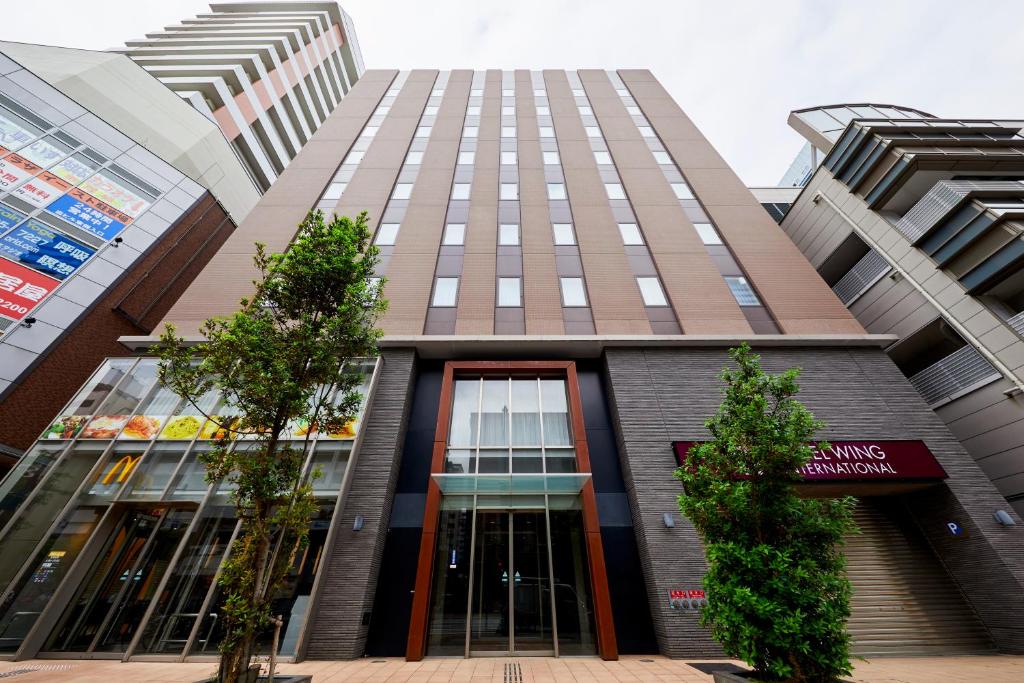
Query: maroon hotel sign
860,461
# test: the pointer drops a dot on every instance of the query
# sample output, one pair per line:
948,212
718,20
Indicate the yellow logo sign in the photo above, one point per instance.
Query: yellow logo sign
125,465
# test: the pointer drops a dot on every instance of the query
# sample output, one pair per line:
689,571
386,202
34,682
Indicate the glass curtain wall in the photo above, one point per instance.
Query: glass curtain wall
510,566
113,500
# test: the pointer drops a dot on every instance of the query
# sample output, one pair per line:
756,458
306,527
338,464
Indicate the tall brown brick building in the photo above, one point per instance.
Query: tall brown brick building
567,261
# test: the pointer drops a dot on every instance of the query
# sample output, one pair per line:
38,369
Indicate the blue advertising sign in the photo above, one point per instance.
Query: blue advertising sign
86,217
9,217
47,251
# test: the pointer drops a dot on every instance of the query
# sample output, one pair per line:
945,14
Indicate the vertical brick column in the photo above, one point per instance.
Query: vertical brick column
352,562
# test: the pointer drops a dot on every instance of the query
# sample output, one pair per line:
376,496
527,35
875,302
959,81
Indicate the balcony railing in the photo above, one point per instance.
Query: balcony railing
1016,323
869,270
960,370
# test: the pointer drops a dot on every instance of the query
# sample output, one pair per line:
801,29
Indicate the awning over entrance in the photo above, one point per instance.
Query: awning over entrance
505,483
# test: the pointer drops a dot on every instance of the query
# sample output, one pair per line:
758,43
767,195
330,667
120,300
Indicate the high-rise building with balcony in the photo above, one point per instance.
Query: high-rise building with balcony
567,261
915,222
116,187
267,73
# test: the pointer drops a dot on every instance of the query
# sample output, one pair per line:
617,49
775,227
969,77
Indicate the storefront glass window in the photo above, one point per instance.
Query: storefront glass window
25,476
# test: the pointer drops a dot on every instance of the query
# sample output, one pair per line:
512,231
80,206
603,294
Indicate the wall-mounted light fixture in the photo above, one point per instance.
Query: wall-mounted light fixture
28,322
1004,518
668,519
117,242
357,523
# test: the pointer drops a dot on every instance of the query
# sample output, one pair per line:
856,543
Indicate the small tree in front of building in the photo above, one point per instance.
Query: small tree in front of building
278,363
778,597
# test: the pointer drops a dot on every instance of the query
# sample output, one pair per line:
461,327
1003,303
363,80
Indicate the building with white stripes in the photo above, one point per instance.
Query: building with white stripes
267,73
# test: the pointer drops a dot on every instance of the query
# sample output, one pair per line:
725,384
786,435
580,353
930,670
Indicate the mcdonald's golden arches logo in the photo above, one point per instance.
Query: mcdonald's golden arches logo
125,466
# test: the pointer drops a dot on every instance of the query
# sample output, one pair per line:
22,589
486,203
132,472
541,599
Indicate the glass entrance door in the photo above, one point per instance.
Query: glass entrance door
510,601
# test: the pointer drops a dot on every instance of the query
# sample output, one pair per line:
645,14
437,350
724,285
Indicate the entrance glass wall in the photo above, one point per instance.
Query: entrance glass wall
500,584
112,539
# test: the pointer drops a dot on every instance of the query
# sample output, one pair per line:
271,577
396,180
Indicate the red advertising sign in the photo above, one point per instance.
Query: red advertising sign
21,289
42,189
860,461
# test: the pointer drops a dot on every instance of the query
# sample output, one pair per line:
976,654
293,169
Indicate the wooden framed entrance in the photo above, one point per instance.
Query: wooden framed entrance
418,623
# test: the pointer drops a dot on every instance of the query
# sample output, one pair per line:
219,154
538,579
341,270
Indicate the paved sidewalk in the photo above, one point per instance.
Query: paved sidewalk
995,669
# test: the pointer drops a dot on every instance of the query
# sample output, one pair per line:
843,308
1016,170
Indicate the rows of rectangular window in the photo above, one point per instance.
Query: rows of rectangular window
509,291
336,188
741,289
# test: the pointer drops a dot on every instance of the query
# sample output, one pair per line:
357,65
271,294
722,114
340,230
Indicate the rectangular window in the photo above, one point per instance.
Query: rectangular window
370,131
387,233
382,110
508,234
540,93
508,131
460,191
472,110
646,131
334,190
470,131
393,92
602,158
742,290
662,157
430,110
402,191
543,111
573,293
508,92
592,131
414,158
630,233
633,110
651,291
509,292
467,157
508,158
437,93
564,234
353,158
586,111
423,132
476,92
576,92
622,92
556,191
509,191
551,157
708,234
546,132
446,291
682,191
508,111
614,191
454,234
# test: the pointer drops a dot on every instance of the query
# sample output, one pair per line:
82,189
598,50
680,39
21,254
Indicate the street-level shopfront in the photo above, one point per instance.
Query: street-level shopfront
529,508
112,540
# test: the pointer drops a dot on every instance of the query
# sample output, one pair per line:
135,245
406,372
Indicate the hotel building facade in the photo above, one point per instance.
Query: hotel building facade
567,261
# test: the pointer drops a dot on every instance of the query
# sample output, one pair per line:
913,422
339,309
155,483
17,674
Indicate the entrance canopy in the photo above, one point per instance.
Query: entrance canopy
505,483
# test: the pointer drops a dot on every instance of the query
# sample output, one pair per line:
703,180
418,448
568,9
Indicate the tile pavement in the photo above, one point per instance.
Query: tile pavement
988,669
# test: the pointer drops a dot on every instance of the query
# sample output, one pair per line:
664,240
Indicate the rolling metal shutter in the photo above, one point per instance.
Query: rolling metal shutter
904,602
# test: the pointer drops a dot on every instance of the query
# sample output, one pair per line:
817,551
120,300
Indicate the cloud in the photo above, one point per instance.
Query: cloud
737,67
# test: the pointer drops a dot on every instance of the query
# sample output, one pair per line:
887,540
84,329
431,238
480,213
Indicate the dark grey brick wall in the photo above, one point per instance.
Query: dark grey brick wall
663,395
352,564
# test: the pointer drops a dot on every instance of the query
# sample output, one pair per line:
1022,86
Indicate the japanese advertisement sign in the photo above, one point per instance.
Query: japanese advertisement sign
42,189
74,169
9,217
859,461
14,170
43,152
106,187
21,289
12,134
35,244
90,214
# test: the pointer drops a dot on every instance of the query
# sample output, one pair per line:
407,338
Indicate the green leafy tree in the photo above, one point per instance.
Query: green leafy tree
279,364
778,596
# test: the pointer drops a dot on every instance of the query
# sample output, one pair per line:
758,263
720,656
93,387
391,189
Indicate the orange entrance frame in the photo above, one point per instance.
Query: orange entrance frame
605,625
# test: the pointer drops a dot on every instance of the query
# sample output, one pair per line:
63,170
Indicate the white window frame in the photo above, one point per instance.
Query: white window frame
556,191
682,191
461,191
615,190
509,157
414,158
551,158
468,158
651,291
402,191
599,157
510,292
573,288
707,233
559,231
630,233
508,235
509,192
387,233
454,235
442,296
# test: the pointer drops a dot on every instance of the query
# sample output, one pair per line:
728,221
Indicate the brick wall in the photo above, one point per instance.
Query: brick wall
662,395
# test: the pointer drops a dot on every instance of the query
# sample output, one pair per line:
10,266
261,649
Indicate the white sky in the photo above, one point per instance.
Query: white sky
736,67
